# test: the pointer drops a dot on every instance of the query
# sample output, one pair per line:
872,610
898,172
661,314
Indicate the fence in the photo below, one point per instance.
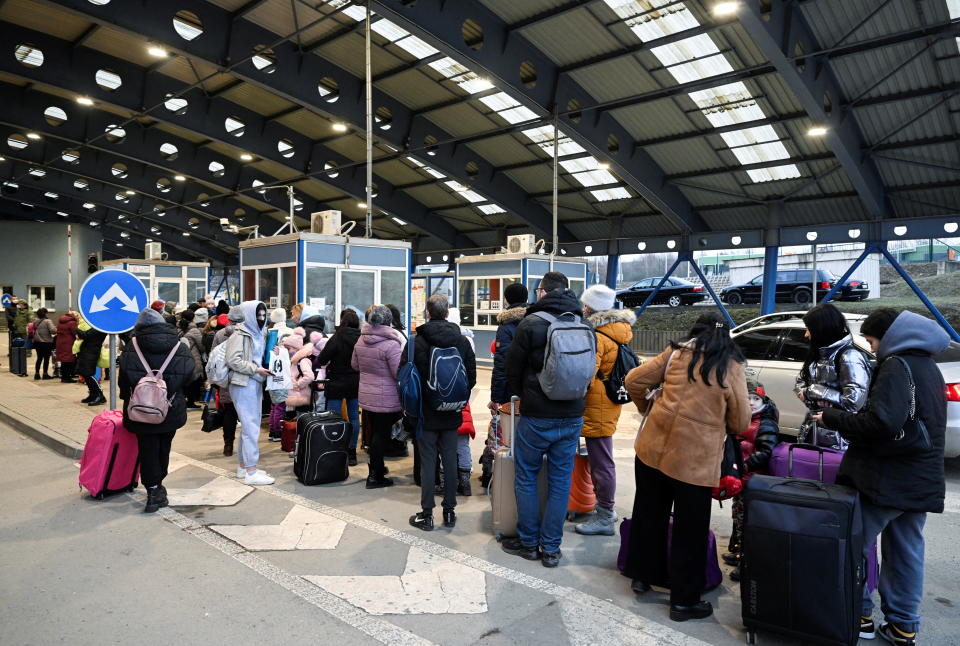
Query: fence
653,341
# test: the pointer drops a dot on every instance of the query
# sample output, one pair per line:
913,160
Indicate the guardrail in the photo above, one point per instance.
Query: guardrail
653,341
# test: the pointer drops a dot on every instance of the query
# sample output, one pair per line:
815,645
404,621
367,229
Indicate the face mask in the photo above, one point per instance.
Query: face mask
261,316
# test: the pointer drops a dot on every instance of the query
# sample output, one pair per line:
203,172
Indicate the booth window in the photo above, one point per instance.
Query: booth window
577,286
249,284
442,285
168,291
196,290
357,290
393,288
288,287
322,284
269,286
42,296
467,302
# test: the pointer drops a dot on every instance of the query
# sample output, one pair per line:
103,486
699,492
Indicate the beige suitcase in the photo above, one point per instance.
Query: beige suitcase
503,497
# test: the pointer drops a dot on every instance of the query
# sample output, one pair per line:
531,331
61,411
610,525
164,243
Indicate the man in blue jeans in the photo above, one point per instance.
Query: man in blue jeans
546,427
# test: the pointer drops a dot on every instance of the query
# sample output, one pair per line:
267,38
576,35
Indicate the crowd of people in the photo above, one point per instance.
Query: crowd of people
694,395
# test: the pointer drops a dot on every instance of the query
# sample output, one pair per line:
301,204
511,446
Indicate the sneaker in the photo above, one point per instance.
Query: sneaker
895,635
423,520
550,559
274,438
731,558
868,630
241,473
257,478
603,524
517,548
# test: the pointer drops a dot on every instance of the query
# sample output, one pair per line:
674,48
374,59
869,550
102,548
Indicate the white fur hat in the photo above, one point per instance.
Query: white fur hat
278,315
599,298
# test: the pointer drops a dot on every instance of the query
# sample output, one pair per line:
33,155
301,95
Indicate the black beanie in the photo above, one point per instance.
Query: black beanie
222,308
879,321
516,294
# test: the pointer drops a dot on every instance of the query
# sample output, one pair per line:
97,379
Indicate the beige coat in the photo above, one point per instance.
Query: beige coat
685,432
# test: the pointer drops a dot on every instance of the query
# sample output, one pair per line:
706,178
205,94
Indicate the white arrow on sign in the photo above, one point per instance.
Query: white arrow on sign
115,292
301,529
429,585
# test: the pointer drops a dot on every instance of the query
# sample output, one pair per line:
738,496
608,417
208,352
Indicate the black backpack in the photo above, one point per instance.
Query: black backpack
615,383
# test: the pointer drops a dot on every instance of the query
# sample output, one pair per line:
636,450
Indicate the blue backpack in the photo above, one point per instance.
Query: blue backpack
447,383
410,388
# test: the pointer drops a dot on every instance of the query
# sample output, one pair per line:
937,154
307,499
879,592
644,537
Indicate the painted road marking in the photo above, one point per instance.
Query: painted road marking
582,609
429,585
302,529
219,492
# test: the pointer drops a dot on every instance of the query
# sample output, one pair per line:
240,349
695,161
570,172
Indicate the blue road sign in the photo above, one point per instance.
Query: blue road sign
111,300
5,300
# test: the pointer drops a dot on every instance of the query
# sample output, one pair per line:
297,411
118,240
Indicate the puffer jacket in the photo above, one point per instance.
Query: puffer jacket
301,374
823,386
526,354
221,335
467,427
92,342
685,432
244,351
761,437
193,339
376,356
885,478
66,335
601,415
21,321
507,322
343,382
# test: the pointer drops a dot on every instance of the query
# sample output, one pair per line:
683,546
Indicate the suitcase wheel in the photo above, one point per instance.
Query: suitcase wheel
498,536
751,637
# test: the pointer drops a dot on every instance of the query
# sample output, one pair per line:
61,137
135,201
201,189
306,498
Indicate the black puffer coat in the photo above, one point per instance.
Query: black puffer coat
912,483
313,324
89,351
343,382
508,320
441,334
156,339
526,353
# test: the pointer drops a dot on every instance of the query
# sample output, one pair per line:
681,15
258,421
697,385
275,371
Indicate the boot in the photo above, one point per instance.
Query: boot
98,401
156,498
352,457
423,520
449,518
36,377
603,524
228,448
88,399
375,481
463,483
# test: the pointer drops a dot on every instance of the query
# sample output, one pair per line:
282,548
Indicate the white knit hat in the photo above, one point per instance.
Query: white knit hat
599,298
278,315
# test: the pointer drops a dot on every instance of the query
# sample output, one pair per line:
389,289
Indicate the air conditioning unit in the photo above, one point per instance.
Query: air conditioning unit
525,243
152,251
325,222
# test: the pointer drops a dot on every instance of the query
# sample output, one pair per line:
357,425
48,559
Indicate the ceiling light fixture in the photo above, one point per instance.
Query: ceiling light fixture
130,192
84,100
246,157
157,51
339,127
33,135
361,205
817,131
726,8
179,178
603,165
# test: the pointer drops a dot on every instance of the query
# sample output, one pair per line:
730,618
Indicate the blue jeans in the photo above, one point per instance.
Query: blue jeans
901,564
535,437
353,413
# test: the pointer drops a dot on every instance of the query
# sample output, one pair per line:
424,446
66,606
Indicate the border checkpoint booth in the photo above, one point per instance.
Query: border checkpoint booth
166,280
330,272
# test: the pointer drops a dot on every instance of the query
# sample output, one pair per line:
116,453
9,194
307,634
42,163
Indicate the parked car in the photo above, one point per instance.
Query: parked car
675,292
796,286
795,315
776,351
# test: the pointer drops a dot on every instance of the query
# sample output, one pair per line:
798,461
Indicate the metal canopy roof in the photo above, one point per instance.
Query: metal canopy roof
674,120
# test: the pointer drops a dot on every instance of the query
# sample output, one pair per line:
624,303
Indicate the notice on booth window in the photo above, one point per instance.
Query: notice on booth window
274,302
319,303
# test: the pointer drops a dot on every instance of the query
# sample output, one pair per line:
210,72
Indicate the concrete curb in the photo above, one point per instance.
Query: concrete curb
44,436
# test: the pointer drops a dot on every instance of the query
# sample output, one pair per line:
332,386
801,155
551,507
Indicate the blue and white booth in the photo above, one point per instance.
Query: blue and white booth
329,272
482,279
180,282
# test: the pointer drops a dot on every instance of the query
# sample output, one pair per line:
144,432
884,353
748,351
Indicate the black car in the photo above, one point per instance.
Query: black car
675,292
795,286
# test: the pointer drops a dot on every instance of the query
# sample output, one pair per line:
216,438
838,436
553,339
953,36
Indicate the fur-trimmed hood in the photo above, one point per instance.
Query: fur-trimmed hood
512,314
599,319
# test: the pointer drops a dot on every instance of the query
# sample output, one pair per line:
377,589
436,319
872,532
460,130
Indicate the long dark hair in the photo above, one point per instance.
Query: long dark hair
349,318
826,325
711,341
397,319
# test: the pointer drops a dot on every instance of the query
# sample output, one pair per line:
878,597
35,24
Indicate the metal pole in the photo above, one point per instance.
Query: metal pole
556,179
369,100
69,267
293,227
113,372
919,292
815,281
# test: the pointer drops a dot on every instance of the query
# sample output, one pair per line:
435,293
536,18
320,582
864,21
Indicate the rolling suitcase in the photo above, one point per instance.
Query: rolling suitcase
583,498
18,356
802,572
503,496
110,462
712,575
288,436
320,455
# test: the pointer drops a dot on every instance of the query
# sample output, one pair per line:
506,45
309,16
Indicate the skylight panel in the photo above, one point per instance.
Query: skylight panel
464,192
760,153
595,178
953,6
721,94
416,46
607,194
499,101
491,209
399,221
357,13
789,171
657,24
540,134
448,67
748,136
473,83
388,30
434,172
579,164
679,57
415,162
518,114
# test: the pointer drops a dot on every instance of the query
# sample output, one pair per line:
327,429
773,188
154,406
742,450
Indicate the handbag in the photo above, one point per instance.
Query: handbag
913,437
732,471
76,346
211,415
398,432
653,395
103,361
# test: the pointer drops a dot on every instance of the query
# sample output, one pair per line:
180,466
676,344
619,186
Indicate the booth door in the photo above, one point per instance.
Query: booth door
357,290
171,290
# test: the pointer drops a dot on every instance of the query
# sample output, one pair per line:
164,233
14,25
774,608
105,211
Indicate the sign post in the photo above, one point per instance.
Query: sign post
110,301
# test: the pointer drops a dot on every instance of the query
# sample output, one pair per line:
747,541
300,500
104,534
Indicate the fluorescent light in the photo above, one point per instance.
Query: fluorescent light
33,135
159,52
399,221
246,157
361,205
62,214
186,234
130,192
816,131
603,166
339,127
179,178
84,100
726,8
3,159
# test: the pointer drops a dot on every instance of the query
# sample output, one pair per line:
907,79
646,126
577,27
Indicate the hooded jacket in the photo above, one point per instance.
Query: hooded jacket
66,335
912,483
507,322
193,339
441,334
526,353
343,382
301,372
311,320
156,339
376,356
245,347
600,416
761,437
221,336
92,342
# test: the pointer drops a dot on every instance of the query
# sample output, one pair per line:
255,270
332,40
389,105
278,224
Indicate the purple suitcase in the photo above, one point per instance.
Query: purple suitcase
713,575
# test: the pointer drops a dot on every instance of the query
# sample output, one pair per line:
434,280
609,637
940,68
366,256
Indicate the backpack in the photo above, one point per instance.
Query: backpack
31,330
570,357
217,372
615,383
447,381
410,388
148,402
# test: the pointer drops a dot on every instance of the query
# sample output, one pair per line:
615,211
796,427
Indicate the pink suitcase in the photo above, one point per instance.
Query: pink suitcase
111,459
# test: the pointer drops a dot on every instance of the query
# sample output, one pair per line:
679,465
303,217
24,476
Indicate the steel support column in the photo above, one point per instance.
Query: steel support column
613,270
768,295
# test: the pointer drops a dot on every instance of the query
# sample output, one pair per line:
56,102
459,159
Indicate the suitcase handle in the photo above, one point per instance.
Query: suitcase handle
513,423
810,447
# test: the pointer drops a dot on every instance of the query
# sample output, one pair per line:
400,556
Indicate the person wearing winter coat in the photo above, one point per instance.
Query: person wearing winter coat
311,320
224,403
168,314
343,381
244,358
835,374
22,319
467,431
438,437
66,335
155,341
275,335
300,395
679,452
515,298
376,357
600,415
208,333
193,339
86,366
898,472
43,334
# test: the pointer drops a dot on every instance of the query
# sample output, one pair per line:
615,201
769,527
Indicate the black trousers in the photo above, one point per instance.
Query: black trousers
381,424
430,444
229,422
66,370
154,457
684,570
44,350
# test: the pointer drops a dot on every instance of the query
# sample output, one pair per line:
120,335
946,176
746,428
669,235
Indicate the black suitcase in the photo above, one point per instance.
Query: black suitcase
18,360
803,569
320,455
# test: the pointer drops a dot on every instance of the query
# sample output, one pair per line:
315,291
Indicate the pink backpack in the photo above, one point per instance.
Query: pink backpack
148,401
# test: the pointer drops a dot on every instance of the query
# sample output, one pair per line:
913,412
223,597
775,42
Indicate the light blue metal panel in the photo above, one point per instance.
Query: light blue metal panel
196,272
301,272
325,252
378,256
575,270
492,268
274,254
482,340
166,271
